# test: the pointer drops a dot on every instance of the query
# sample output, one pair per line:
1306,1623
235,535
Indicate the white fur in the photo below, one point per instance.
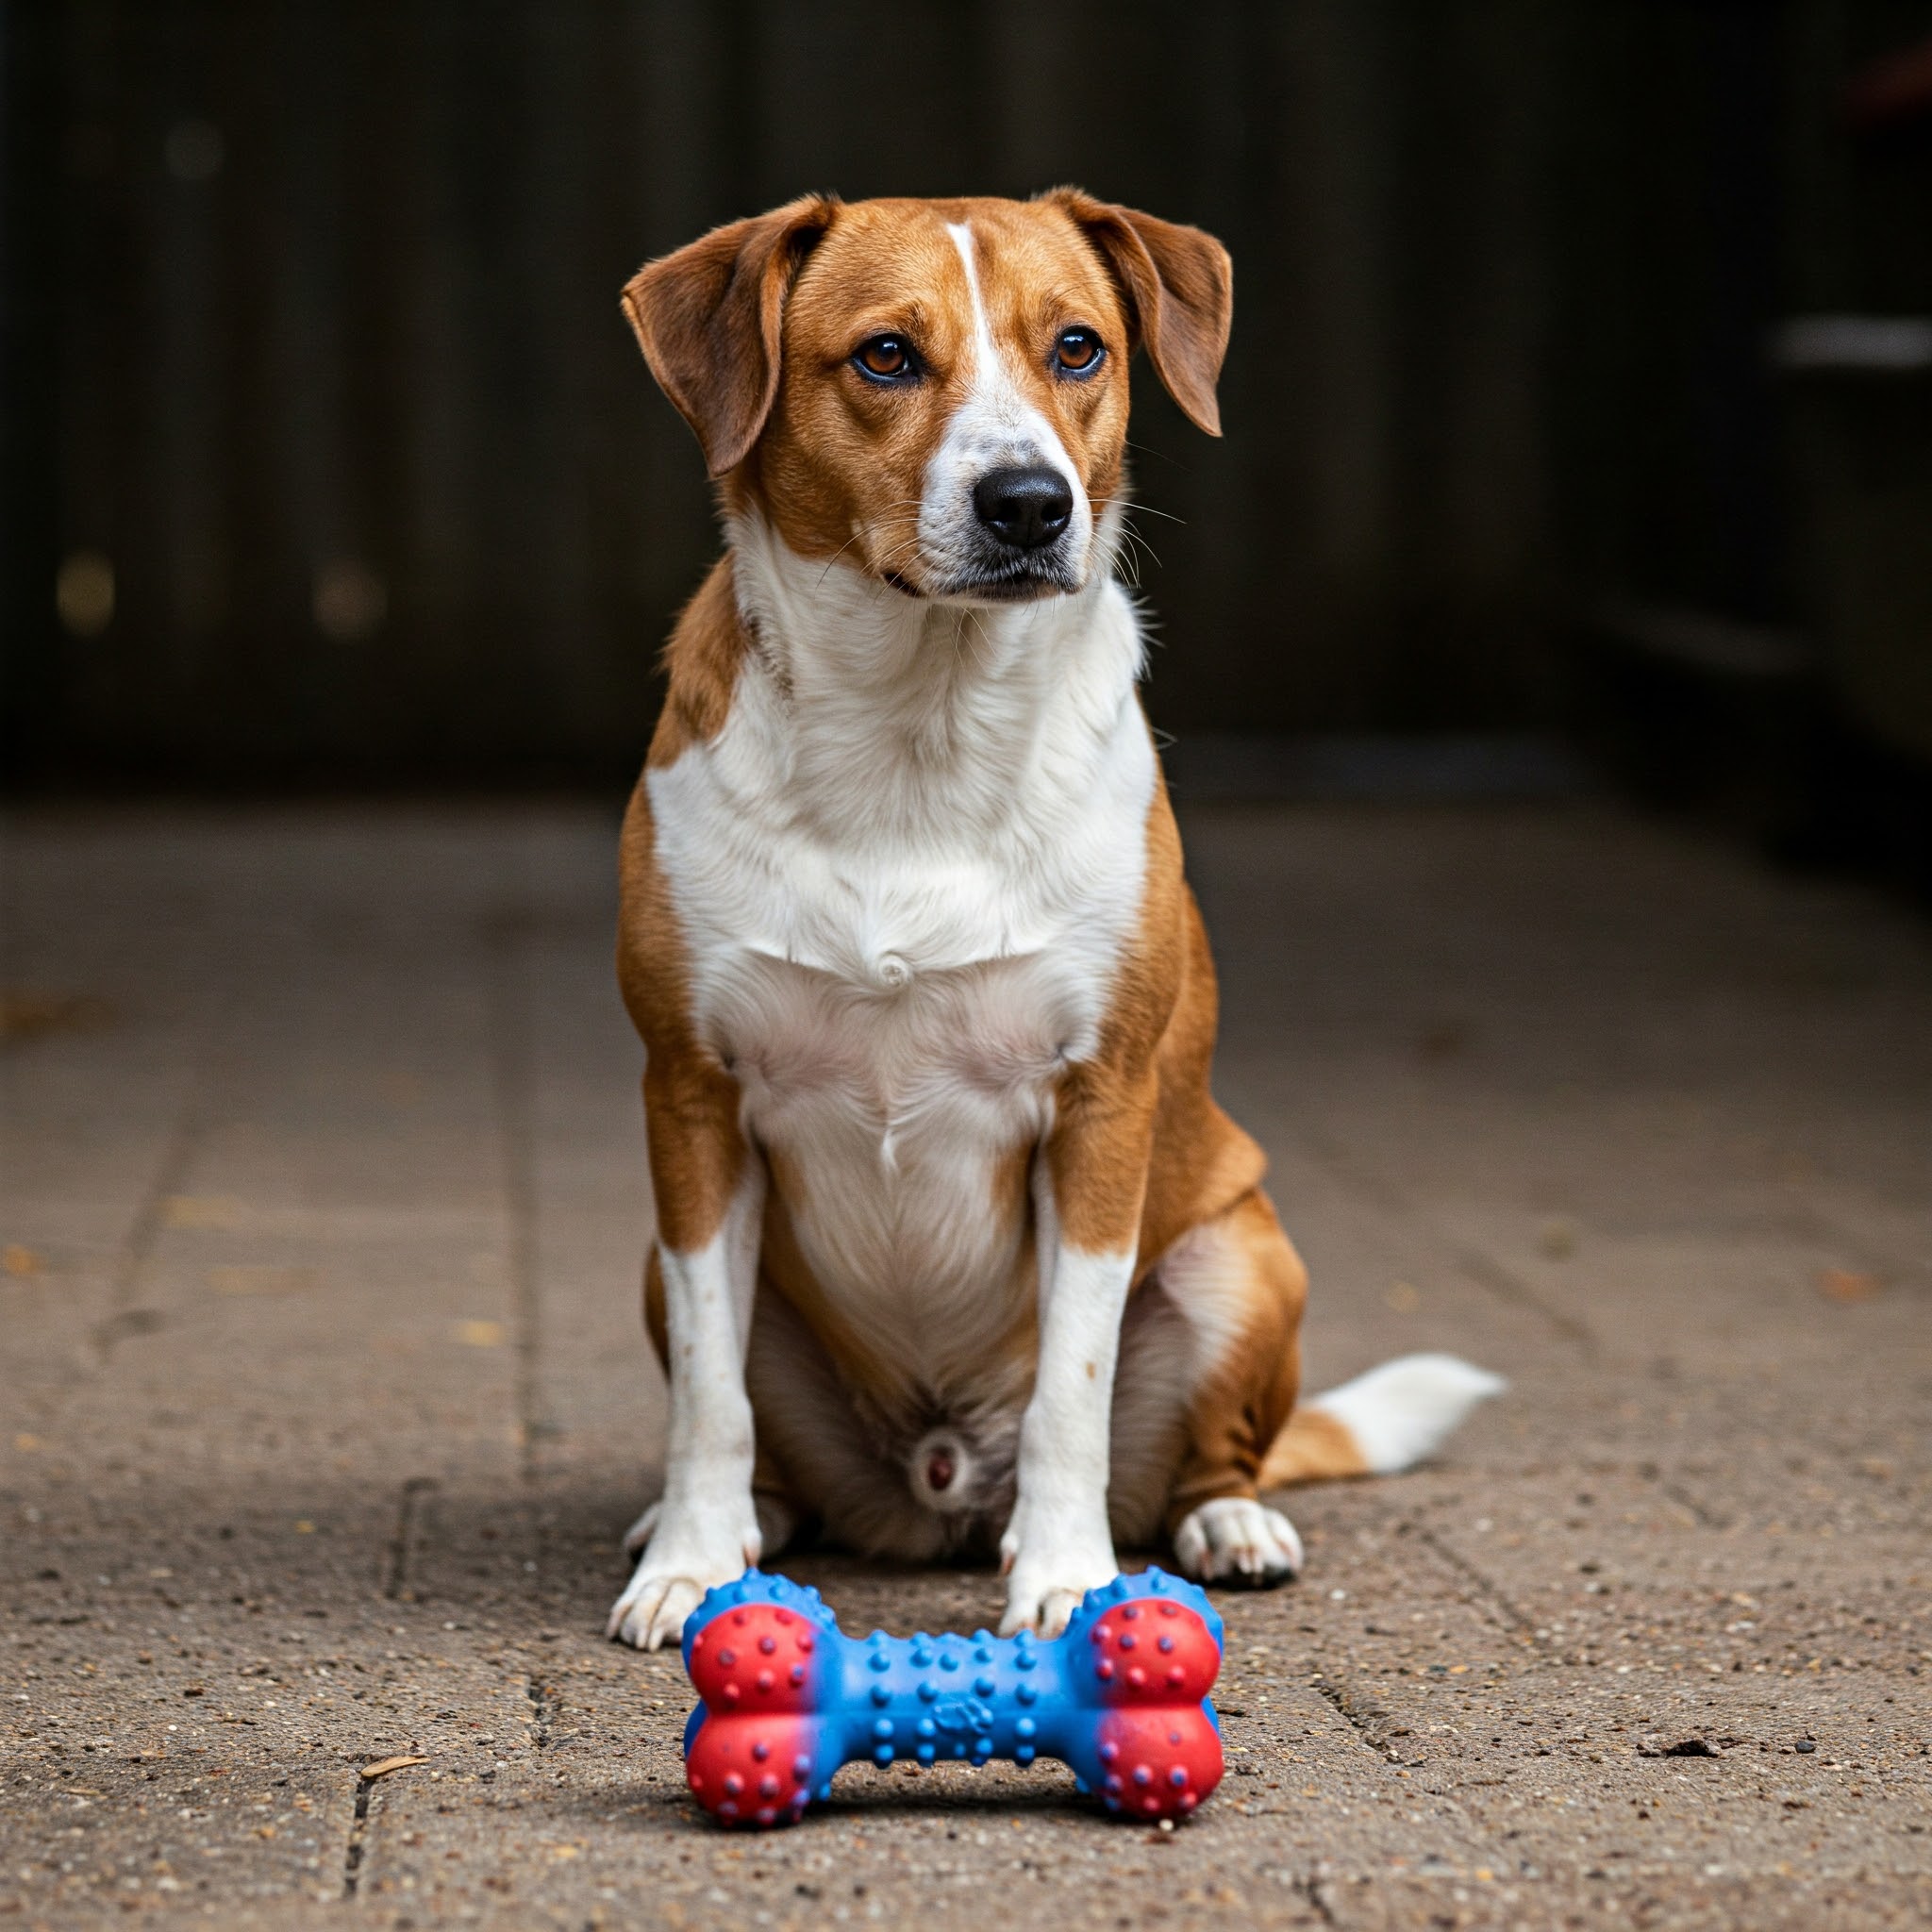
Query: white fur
1172,1339
995,427
704,1530
1406,1410
1236,1539
1058,1545
904,872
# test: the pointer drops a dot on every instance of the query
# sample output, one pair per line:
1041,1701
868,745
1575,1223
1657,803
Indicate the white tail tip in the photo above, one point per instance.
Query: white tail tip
1408,1408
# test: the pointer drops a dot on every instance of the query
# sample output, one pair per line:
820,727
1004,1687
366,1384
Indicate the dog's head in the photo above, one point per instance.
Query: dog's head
934,391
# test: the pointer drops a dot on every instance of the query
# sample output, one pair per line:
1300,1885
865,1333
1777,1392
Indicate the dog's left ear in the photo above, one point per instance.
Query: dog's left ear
1179,286
710,319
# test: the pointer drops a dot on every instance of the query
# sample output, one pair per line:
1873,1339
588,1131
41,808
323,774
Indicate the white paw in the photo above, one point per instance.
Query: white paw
1050,1566
684,1558
1234,1539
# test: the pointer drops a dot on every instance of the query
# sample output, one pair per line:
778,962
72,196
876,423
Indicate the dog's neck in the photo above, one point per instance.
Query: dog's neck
887,719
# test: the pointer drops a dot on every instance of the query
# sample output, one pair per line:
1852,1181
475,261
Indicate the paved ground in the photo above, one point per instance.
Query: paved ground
325,1400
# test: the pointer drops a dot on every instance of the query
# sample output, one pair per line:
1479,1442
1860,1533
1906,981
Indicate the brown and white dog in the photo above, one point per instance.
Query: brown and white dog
954,1250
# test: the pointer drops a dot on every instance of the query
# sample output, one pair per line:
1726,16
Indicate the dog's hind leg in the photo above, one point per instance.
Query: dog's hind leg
1240,1285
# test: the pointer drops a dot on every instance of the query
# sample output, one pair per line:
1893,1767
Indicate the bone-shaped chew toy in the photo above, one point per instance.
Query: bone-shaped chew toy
787,1698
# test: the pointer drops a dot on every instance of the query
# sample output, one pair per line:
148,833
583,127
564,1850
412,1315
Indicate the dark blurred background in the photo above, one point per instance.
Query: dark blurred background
1579,409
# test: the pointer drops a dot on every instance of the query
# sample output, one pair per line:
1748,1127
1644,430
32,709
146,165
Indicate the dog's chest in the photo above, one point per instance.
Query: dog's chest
910,997
907,1015
897,1020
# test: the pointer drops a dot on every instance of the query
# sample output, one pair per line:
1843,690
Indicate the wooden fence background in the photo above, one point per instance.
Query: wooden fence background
329,457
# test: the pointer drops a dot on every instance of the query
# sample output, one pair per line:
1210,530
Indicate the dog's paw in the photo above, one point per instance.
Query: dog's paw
1235,1540
680,1563
1049,1568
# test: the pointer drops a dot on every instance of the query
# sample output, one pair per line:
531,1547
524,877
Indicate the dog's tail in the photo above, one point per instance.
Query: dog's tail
1387,1420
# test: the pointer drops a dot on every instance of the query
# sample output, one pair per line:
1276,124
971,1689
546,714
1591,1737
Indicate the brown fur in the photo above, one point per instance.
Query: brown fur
751,330
697,1151
703,657
1314,1447
1179,286
1242,1401
709,318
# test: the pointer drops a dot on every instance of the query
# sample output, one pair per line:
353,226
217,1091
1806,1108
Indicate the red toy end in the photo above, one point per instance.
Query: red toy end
1157,1763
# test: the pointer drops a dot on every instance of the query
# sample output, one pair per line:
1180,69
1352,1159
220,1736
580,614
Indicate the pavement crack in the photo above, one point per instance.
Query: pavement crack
124,1318
1685,1499
1314,1887
1510,1288
359,1836
544,1703
1473,1264
122,1326
412,1512
1371,1721
1491,1592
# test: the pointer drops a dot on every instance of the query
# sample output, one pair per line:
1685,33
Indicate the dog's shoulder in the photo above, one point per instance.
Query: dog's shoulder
702,663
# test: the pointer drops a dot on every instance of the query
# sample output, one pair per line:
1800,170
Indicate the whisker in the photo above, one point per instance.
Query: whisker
1159,455
1135,508
1142,547
854,539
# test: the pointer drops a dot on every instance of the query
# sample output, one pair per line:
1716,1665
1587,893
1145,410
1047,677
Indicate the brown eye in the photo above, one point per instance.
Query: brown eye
1079,352
885,359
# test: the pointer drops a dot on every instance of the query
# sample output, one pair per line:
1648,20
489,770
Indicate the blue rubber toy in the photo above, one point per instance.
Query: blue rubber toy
786,1698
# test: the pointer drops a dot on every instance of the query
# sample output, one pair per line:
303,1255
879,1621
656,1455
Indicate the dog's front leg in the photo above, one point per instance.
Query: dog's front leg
710,1188
1087,1183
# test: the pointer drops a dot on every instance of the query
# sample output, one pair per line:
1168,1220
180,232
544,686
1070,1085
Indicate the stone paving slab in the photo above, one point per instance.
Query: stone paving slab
326,1400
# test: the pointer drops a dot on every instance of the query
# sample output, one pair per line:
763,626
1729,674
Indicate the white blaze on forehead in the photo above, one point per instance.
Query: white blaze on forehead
995,427
985,357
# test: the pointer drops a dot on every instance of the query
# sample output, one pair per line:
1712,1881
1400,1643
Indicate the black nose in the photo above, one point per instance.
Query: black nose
1024,508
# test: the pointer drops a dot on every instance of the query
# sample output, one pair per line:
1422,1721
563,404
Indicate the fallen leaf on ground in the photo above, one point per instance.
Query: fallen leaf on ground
383,1766
1842,1285
25,1014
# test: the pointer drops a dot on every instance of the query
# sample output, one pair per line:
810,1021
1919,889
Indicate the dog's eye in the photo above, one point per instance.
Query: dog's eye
886,358
1078,351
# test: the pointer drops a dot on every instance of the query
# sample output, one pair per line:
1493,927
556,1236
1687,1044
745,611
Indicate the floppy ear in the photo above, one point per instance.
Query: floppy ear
1179,286
708,318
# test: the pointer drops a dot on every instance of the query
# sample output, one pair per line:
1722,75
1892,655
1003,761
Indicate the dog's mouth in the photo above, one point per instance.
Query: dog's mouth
1011,584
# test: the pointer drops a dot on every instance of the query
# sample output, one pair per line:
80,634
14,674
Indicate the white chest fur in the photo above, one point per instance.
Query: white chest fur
905,870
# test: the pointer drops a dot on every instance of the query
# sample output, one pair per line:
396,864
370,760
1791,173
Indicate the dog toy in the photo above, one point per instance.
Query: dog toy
786,1698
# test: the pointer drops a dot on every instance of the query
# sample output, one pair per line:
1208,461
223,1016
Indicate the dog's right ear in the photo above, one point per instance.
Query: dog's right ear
710,318
1180,288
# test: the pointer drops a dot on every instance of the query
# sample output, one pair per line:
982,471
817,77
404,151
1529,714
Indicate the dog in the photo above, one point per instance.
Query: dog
954,1252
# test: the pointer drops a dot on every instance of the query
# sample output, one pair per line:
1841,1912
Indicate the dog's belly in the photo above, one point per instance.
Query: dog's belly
899,1123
